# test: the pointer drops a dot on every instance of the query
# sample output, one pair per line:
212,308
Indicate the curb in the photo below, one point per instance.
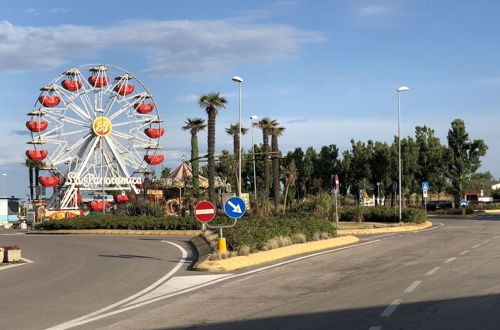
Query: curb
387,230
116,232
272,255
492,211
202,249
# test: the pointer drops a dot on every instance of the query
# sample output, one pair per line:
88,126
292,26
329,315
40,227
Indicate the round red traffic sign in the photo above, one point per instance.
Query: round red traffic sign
204,211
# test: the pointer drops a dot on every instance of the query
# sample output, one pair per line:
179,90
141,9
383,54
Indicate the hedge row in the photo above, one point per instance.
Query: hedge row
121,222
254,232
456,211
381,214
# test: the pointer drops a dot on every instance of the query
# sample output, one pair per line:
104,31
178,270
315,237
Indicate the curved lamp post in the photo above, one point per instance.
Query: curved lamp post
399,90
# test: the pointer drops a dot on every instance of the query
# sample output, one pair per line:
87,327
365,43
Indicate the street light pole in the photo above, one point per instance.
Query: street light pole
252,118
399,90
239,80
3,183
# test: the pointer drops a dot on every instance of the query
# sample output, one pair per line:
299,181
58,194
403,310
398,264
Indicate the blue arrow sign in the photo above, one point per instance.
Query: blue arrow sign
463,203
235,207
425,185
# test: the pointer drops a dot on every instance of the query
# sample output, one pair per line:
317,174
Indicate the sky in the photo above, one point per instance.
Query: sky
325,70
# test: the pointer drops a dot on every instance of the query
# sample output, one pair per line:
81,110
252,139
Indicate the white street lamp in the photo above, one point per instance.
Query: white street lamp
252,118
399,90
3,183
239,80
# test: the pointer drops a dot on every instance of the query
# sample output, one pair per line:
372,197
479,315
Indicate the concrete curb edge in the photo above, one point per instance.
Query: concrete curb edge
116,232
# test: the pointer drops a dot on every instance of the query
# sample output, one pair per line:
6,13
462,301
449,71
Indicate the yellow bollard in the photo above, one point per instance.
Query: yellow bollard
222,245
463,211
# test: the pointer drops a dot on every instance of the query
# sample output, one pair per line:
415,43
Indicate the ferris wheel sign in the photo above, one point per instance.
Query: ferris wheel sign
94,127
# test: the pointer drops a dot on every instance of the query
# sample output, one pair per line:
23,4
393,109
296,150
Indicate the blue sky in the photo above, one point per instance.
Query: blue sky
326,70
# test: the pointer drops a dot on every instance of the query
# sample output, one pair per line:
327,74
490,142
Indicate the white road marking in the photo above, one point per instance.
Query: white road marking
95,315
375,328
412,287
391,308
447,261
26,262
487,241
496,236
464,252
432,271
81,320
476,246
206,211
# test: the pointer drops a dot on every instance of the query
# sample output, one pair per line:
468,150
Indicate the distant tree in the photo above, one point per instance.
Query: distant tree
463,157
275,133
234,131
308,170
165,172
409,166
212,103
360,165
194,125
432,165
328,165
290,173
266,124
381,167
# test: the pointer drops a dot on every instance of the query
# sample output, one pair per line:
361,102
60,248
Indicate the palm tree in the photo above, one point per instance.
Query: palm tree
290,174
266,124
195,125
211,102
275,132
234,131
34,167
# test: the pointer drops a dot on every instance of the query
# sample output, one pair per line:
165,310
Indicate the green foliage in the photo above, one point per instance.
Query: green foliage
456,211
320,205
122,222
141,207
381,214
261,205
492,206
254,232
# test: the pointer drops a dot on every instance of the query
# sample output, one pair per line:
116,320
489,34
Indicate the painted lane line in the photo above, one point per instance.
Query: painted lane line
26,262
464,252
447,261
94,316
375,328
487,241
412,287
476,246
432,271
496,236
391,307
77,321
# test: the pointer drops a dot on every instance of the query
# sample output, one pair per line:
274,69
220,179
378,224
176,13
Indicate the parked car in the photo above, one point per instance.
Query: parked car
439,205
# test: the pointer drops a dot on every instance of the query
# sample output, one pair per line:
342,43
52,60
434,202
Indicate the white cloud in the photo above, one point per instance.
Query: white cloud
373,10
59,11
181,48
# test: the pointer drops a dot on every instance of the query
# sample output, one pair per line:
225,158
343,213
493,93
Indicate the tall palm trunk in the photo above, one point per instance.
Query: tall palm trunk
30,171
195,164
276,171
211,155
37,183
236,144
265,145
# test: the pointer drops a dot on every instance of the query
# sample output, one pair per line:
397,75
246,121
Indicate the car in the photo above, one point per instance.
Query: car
439,205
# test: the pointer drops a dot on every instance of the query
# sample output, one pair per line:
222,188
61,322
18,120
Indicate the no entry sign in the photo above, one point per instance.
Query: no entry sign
204,211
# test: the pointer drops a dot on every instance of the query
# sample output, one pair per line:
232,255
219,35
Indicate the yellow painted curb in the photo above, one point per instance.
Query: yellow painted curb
491,211
397,229
118,232
271,255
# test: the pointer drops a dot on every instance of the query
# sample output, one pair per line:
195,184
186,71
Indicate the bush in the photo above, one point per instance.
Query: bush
141,207
381,214
456,211
492,206
121,222
256,232
320,205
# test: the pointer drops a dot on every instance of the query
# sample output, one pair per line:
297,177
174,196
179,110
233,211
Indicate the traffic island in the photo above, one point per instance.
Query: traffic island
272,255
386,230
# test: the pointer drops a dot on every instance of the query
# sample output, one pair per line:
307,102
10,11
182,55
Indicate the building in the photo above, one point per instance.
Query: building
9,210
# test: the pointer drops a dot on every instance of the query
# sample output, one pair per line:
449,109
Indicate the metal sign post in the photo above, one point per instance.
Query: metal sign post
425,189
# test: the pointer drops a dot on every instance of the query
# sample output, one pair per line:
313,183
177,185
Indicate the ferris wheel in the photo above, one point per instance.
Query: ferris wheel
96,128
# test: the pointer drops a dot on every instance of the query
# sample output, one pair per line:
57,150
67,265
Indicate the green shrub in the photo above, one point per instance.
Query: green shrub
492,206
121,222
141,207
381,214
255,232
456,211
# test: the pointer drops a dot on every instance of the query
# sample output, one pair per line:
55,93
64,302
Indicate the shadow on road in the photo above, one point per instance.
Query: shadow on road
127,256
462,313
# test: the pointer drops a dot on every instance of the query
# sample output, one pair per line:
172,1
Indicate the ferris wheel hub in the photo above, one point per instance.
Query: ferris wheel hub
102,126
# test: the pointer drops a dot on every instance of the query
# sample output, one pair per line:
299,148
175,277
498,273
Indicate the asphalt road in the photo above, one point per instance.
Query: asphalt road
73,275
442,278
